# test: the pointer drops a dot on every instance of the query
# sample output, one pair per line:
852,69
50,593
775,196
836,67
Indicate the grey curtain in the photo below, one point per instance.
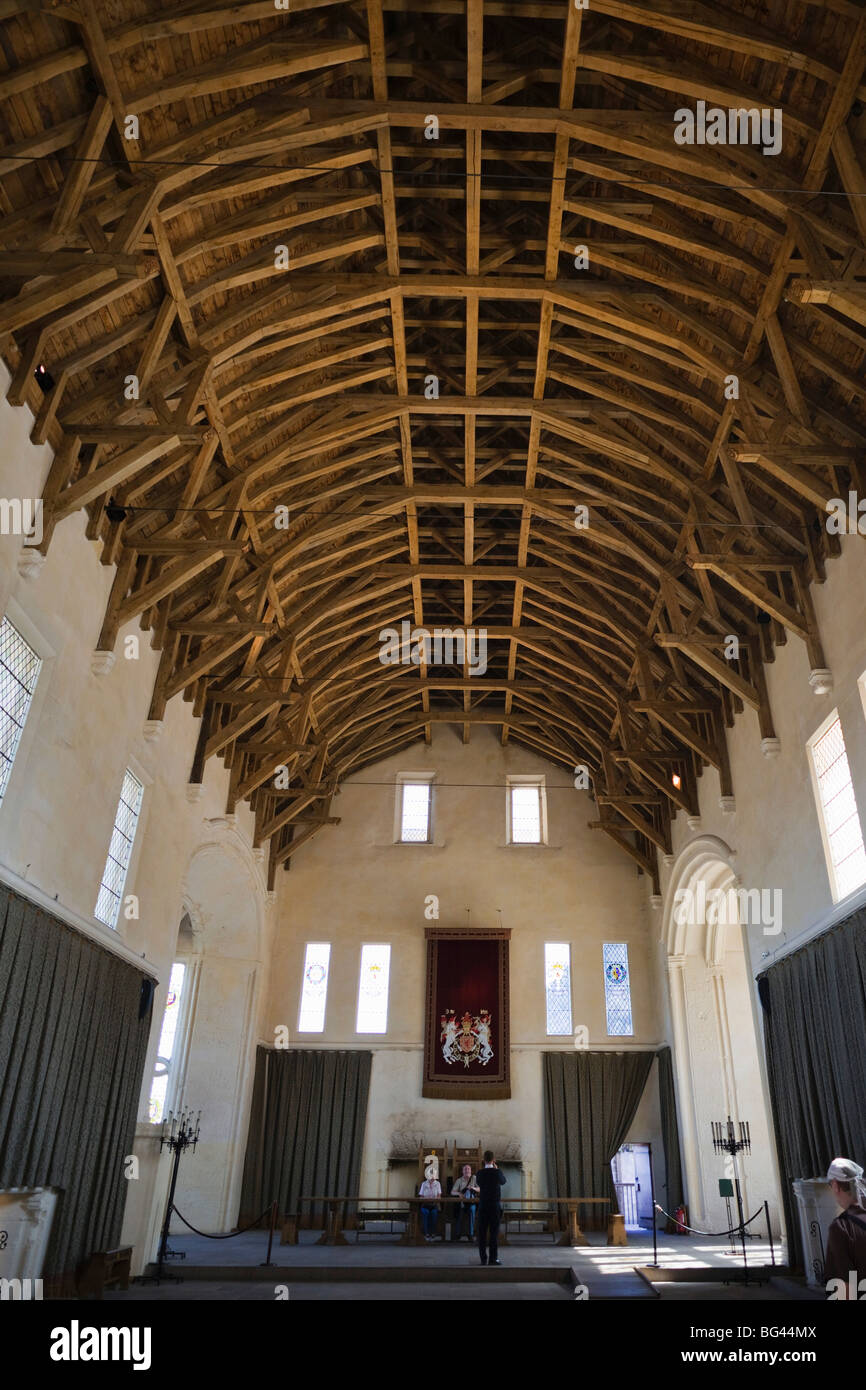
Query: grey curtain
72,1049
670,1131
590,1099
815,1028
306,1133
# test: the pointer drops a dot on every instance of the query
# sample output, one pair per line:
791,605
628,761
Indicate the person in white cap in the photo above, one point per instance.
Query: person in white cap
845,1260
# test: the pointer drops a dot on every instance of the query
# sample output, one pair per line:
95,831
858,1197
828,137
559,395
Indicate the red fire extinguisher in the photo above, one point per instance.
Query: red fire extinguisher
680,1217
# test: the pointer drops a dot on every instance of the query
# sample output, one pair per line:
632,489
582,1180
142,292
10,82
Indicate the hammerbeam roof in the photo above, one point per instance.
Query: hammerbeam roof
342,315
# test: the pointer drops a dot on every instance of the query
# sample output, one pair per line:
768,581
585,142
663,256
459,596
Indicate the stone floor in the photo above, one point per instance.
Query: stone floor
335,1290
380,1268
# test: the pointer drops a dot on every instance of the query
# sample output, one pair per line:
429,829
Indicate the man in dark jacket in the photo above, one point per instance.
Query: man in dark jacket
490,1182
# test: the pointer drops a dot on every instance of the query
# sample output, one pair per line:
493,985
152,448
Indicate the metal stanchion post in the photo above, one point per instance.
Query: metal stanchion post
266,1262
769,1234
655,1263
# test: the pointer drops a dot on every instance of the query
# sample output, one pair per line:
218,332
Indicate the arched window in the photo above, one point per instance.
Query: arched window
164,1081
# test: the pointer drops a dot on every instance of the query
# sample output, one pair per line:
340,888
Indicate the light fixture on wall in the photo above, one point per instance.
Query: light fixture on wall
677,780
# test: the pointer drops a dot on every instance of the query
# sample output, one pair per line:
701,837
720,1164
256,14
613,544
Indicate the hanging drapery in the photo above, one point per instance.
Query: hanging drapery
306,1133
590,1099
74,1024
672,1194
815,1028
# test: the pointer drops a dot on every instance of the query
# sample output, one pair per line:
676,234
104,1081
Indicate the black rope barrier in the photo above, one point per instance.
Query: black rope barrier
227,1235
732,1231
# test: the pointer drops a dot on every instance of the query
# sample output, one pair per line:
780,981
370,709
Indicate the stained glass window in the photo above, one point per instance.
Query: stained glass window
19,670
557,984
617,990
373,990
415,812
107,908
314,988
165,1050
843,835
525,814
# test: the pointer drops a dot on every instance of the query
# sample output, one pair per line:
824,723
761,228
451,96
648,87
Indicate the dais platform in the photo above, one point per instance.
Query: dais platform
381,1269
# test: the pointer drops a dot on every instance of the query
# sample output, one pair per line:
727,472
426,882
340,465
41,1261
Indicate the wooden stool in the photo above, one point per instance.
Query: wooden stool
616,1229
289,1232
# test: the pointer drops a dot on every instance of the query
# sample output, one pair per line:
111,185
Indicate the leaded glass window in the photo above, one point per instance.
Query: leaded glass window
557,984
314,988
167,1039
107,908
525,813
19,671
843,835
415,812
617,990
373,990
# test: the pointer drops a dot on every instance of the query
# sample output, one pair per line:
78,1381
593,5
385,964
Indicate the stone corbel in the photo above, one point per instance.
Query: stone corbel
101,663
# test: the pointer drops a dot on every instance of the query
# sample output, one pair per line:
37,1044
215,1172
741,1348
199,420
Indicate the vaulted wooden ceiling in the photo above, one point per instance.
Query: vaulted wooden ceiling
326,215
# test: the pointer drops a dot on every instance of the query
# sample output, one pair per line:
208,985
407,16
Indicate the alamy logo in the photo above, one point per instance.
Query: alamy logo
729,907
22,516
846,519
734,126
22,1289
77,1343
855,1289
438,646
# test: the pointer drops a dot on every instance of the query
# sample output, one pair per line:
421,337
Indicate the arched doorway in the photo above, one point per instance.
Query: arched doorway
719,1062
224,894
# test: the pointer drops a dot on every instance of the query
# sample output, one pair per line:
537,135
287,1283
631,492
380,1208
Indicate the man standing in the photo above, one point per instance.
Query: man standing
489,1182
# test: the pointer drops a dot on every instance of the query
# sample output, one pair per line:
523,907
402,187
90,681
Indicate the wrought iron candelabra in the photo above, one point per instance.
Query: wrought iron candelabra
179,1133
725,1141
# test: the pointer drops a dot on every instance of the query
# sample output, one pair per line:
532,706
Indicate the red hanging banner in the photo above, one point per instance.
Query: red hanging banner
466,1040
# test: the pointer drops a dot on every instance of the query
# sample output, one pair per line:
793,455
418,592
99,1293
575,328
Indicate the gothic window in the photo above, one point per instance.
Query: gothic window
314,988
19,671
166,1048
373,990
617,990
837,808
107,908
557,984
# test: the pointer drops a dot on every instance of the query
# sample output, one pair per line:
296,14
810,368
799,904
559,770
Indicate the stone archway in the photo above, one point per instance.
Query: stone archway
224,894
719,1060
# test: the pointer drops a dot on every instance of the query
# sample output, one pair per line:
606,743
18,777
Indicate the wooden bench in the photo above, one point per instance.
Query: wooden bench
533,1214
379,1214
103,1269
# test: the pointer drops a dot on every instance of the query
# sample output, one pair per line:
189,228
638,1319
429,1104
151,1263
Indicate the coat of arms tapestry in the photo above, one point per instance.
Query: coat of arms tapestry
466,1053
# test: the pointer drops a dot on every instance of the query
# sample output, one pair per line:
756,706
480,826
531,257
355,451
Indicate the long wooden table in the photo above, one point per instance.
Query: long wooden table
335,1214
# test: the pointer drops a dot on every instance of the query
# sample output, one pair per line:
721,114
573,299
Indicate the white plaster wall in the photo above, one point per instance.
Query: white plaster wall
774,832
58,811
351,884
771,841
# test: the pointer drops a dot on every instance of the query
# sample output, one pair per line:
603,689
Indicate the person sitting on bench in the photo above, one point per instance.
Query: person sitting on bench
466,1191
430,1191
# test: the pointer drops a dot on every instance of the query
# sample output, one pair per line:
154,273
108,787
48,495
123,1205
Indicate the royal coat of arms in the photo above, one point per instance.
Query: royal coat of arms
467,1039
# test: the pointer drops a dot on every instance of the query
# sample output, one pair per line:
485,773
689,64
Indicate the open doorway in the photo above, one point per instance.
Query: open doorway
630,1167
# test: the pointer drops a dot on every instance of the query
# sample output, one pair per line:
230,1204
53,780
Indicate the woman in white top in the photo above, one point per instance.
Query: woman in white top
432,1191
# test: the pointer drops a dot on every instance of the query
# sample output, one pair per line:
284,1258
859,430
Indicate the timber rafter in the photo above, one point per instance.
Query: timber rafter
395,313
